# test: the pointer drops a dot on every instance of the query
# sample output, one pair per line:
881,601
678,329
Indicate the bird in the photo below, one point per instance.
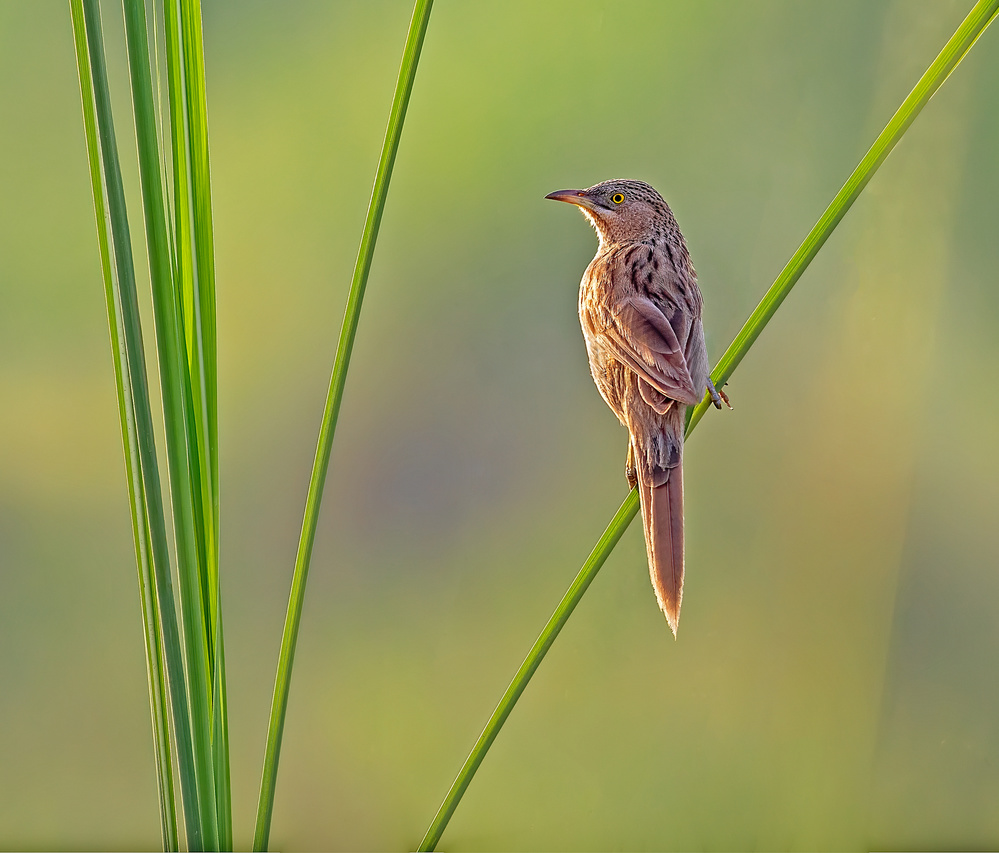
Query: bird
640,312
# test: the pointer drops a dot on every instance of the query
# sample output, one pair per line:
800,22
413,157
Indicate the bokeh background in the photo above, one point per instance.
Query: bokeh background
834,681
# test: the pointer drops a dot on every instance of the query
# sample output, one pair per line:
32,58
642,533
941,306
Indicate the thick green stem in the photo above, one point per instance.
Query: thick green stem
949,58
601,551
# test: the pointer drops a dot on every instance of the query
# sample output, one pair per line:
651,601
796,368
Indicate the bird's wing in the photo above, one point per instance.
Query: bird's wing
641,337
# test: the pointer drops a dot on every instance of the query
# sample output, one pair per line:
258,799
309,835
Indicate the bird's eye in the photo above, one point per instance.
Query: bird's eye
617,198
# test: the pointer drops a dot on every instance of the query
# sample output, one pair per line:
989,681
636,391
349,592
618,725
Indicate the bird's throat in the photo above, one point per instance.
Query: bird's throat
592,219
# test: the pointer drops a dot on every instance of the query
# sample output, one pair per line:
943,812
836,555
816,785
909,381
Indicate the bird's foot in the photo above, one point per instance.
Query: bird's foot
718,396
631,475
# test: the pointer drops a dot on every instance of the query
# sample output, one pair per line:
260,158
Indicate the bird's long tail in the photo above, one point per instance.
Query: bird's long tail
662,518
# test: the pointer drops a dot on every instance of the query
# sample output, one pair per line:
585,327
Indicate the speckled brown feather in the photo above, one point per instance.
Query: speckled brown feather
640,311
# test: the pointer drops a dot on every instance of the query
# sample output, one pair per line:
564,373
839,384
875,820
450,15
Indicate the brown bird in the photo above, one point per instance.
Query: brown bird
640,309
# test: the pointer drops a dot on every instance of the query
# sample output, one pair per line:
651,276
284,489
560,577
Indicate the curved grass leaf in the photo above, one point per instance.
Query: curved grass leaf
949,58
293,619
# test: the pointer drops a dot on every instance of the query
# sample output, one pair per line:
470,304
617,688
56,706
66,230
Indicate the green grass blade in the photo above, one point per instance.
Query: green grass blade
197,111
131,332
195,275
220,742
279,705
165,173
949,58
601,551
179,419
185,288
207,376
126,414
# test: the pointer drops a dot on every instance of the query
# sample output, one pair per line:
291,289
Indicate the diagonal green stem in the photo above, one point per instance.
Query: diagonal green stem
601,551
279,705
949,58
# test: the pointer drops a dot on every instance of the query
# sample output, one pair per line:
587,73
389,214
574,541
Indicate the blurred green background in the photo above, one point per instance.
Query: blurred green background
833,685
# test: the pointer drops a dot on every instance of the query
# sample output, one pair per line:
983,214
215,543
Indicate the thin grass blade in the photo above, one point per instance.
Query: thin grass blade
134,361
949,58
186,291
981,15
179,418
206,362
220,742
201,197
152,632
195,279
279,705
611,536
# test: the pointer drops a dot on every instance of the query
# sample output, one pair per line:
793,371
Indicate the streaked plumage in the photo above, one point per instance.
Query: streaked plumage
640,311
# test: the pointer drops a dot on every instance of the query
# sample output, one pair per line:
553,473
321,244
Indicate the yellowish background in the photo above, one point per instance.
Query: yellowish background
834,682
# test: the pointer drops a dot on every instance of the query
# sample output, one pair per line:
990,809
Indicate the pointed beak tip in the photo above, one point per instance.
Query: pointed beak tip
570,196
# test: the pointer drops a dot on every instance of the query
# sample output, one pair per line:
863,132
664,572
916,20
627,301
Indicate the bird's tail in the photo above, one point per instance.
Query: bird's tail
662,518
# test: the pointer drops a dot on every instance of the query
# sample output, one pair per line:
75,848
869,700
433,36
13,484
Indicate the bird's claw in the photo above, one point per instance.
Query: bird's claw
630,471
718,396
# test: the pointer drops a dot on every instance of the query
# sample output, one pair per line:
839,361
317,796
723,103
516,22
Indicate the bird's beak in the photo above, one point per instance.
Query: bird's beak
577,197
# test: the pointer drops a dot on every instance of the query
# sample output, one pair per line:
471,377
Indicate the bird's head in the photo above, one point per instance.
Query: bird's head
622,211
